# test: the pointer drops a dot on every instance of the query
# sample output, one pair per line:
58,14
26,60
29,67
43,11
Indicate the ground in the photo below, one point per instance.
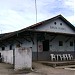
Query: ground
38,69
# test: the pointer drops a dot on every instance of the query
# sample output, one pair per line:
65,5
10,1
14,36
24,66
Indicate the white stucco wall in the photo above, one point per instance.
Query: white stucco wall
23,58
26,44
54,44
7,56
51,27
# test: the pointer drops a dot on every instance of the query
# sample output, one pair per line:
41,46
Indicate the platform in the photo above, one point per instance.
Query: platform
58,63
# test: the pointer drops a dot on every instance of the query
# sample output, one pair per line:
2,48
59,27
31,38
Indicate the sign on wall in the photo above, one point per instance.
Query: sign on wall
59,28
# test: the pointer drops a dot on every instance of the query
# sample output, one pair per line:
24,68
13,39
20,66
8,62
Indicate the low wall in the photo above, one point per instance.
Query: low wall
20,57
23,58
7,56
45,56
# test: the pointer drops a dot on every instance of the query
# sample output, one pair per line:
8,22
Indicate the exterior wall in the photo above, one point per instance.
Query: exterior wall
23,58
7,56
26,44
34,46
45,56
51,27
7,46
54,47
0,49
54,44
37,47
34,49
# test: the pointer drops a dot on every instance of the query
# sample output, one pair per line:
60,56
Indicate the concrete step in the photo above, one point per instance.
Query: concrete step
58,63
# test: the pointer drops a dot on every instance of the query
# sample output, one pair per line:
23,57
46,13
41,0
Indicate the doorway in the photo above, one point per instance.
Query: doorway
46,45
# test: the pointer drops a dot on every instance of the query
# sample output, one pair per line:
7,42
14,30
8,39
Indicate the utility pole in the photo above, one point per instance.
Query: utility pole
1,31
36,11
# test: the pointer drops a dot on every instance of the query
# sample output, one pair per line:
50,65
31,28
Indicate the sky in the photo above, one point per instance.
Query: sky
18,14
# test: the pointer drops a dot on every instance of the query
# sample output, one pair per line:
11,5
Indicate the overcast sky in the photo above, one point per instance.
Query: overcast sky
18,14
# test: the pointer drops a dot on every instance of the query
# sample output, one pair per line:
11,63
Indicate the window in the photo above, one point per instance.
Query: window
61,24
3,48
60,43
10,47
55,23
71,43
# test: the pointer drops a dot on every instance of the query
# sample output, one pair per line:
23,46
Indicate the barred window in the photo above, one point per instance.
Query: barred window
71,43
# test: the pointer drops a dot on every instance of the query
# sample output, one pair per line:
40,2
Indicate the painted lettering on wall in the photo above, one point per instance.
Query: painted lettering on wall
54,27
61,57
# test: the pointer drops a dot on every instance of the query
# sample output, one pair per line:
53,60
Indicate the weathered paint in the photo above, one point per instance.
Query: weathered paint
51,27
37,46
53,47
45,56
54,44
7,56
23,58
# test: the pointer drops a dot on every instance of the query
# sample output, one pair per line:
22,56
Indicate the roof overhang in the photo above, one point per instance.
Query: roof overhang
33,31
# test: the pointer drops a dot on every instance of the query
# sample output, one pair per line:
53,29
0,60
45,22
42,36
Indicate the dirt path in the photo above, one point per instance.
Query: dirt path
6,69
39,69
47,70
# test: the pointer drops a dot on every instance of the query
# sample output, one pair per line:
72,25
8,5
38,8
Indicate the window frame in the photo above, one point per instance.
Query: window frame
71,43
55,23
10,47
3,48
60,43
